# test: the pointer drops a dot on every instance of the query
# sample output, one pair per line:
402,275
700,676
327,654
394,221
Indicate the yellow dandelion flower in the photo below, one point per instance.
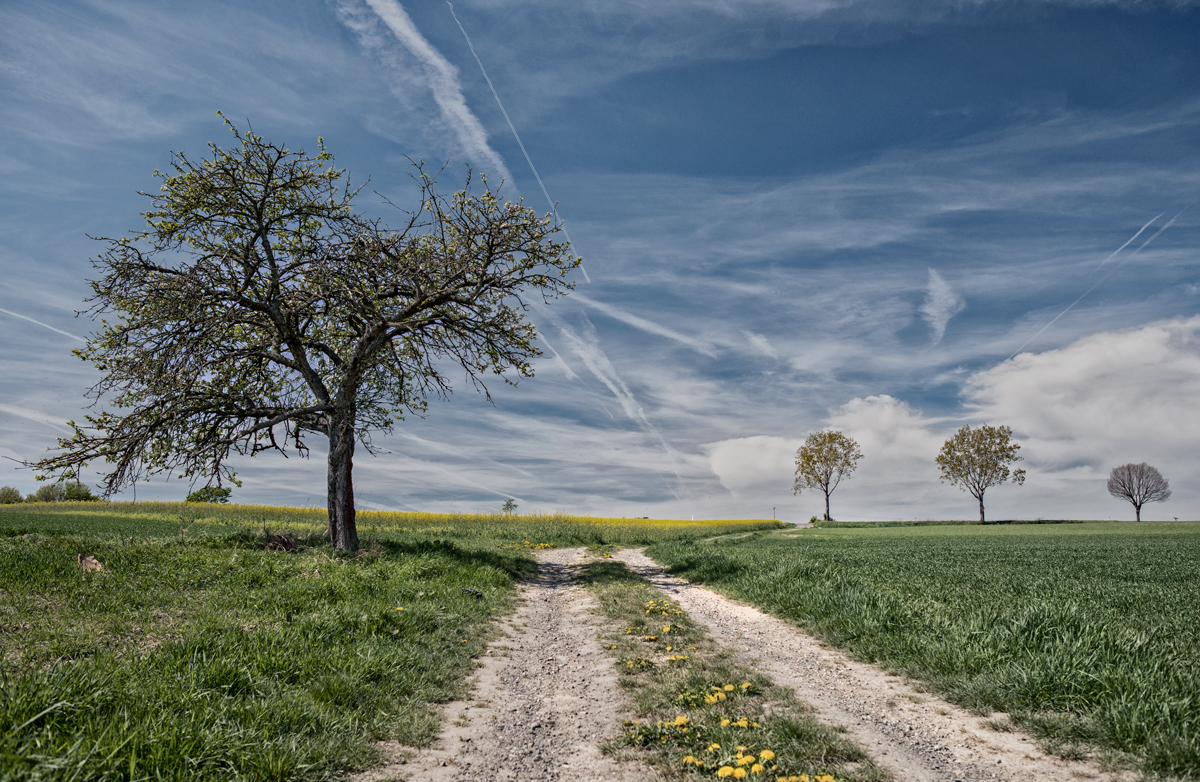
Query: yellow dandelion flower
746,685
666,628
729,688
681,720
739,773
725,771
767,754
724,722
756,768
741,750
711,747
824,778
689,760
781,779
746,760
670,648
399,608
755,724
709,699
742,723
720,696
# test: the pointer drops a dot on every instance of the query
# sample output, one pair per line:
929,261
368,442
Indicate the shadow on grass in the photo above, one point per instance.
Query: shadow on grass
513,565
607,572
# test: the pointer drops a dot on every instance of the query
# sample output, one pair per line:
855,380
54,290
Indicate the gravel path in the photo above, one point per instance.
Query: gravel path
543,700
916,735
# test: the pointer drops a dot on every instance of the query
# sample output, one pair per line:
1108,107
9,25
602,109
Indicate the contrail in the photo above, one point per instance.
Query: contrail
43,325
553,206
1122,247
1123,261
442,76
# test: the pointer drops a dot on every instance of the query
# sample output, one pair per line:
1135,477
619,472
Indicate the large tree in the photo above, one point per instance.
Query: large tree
823,461
258,308
975,459
1138,484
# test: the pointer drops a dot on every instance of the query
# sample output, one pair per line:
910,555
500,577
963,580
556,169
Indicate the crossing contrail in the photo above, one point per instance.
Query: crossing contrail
1097,284
517,136
1122,247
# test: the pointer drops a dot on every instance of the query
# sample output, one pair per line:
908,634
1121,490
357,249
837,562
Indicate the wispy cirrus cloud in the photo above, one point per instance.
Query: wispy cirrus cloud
941,304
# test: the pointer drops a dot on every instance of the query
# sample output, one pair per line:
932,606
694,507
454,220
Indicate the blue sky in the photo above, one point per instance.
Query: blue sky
794,215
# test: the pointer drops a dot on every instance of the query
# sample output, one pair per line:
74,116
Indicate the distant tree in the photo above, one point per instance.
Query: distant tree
1138,484
975,459
218,494
76,491
51,492
823,461
9,495
509,506
257,309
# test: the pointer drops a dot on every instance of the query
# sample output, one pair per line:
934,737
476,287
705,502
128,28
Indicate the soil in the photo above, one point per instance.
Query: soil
545,698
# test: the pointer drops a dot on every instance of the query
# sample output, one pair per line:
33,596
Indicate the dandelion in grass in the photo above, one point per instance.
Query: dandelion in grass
757,768
746,685
724,722
739,773
743,722
746,760
666,628
689,760
729,688
725,771
767,754
401,608
710,699
711,747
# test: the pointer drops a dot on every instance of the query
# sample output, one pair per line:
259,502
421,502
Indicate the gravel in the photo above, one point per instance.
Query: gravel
544,699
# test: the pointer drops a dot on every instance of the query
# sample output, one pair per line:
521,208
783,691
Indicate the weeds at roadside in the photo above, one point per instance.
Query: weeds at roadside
702,713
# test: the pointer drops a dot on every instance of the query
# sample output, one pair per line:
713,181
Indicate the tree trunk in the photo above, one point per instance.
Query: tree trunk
981,519
342,532
827,516
1137,509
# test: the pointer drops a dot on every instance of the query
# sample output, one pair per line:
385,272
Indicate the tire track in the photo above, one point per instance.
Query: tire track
914,734
545,697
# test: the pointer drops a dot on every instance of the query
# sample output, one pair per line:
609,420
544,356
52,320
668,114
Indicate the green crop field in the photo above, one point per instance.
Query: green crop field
1088,635
197,654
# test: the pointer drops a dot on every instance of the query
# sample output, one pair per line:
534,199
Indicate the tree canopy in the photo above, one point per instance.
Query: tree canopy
975,459
1138,484
823,461
257,308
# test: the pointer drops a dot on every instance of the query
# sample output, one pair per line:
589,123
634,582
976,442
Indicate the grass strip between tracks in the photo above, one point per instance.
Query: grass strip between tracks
701,713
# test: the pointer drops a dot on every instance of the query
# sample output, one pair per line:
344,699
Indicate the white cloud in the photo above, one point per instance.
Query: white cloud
744,464
1116,396
941,304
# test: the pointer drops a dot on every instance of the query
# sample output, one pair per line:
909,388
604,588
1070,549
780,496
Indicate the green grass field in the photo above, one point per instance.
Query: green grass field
196,654
1088,635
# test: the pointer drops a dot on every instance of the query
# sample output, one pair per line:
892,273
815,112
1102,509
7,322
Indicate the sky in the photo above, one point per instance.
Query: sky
892,219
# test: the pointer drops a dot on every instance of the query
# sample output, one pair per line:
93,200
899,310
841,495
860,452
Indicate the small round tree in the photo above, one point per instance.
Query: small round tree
1138,484
974,459
823,461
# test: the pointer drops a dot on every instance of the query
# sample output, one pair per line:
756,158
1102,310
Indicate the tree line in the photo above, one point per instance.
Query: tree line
974,460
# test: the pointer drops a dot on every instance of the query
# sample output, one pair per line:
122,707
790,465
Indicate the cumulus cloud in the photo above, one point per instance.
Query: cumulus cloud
744,464
1124,395
941,304
1104,400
